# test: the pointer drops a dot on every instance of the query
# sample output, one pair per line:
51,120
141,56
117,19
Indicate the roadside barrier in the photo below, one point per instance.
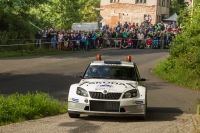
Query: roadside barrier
112,41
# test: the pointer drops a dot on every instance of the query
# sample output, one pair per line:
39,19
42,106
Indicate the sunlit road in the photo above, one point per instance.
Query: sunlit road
168,104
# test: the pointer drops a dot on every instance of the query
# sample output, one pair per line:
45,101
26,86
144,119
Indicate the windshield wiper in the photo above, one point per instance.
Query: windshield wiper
95,77
124,78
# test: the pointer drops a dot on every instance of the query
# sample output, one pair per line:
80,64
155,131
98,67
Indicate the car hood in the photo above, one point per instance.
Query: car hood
98,85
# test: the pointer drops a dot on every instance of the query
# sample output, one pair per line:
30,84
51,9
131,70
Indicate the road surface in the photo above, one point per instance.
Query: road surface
170,106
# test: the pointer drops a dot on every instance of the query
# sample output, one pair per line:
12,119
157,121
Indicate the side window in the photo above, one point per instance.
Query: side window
137,72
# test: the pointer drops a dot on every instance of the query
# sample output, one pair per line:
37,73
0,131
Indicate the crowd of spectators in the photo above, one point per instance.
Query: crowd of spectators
123,36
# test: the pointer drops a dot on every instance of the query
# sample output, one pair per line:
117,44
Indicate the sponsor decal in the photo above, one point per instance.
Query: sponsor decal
103,86
106,85
139,102
70,99
75,100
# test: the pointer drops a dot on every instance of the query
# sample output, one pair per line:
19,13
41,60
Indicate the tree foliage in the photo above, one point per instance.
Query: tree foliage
15,15
177,6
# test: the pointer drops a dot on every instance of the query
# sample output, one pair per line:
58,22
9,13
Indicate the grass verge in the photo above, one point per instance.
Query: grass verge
36,52
178,74
20,107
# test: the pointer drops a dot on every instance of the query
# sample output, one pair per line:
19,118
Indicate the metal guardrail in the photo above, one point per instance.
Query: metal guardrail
113,41
196,120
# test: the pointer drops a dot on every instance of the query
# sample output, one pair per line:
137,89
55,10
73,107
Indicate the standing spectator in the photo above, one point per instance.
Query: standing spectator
101,40
83,41
135,39
126,25
87,42
78,41
120,36
173,25
149,42
169,28
54,42
150,19
94,36
66,41
53,33
90,40
44,37
130,42
113,35
140,37
60,40
73,45
38,37
147,19
49,38
166,40
133,26
118,28
162,26
106,39
161,39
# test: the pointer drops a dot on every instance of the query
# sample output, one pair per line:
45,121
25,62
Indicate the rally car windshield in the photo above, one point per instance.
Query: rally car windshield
110,72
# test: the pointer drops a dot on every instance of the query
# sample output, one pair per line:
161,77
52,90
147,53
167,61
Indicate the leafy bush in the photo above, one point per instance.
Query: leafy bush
19,107
183,65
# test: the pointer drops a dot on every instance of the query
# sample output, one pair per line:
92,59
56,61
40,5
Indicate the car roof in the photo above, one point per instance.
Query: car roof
113,63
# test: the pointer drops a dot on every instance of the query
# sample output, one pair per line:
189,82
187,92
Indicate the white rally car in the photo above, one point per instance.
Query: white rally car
109,88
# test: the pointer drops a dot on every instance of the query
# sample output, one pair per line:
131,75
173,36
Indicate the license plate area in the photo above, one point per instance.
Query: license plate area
104,106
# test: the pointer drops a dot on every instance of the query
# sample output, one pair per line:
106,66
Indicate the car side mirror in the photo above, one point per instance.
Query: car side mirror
142,79
79,77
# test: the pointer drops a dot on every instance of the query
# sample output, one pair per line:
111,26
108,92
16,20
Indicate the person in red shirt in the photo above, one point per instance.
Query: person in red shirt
132,26
149,42
130,43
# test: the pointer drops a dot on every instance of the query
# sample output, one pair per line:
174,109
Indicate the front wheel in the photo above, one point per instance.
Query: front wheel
71,115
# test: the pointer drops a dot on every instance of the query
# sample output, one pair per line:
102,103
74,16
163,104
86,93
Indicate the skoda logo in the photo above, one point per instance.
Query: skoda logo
105,91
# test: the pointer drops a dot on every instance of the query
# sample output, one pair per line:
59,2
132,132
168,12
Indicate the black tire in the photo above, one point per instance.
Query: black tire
71,115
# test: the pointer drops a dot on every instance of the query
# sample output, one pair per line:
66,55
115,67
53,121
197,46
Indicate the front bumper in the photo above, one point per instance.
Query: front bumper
121,107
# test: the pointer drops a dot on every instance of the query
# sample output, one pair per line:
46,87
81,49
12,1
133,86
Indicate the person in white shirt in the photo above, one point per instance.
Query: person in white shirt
140,37
60,40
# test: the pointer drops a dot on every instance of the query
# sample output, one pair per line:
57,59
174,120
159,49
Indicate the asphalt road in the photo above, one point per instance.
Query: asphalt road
167,102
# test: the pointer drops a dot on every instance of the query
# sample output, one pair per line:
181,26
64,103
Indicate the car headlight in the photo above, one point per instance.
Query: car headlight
130,94
82,92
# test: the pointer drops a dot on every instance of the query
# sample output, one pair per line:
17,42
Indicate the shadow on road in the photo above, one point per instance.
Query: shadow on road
81,126
154,114
56,85
155,85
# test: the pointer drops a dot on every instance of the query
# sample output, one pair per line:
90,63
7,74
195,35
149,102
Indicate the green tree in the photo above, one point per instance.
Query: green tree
177,6
15,15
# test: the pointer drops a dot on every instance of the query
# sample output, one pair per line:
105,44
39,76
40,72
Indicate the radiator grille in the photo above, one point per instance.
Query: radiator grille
100,95
104,106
